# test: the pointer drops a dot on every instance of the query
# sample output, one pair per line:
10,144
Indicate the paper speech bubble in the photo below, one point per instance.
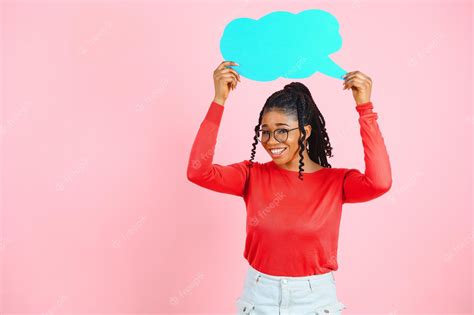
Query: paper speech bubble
283,44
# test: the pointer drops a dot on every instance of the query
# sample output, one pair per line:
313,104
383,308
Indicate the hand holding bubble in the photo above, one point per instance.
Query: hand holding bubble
360,84
225,79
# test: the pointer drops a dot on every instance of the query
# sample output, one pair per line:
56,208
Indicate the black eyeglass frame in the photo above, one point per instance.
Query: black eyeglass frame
272,133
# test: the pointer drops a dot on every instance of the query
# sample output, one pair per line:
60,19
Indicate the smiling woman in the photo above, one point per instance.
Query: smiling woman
292,225
308,144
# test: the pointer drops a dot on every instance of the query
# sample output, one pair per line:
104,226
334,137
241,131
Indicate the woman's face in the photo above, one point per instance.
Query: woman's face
274,120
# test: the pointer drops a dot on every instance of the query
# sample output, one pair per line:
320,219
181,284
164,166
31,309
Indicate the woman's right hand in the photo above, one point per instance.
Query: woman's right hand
225,79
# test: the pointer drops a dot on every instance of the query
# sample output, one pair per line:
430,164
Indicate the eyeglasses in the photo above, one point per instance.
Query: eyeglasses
280,135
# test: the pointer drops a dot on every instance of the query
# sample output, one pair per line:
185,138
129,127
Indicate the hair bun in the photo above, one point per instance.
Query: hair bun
297,87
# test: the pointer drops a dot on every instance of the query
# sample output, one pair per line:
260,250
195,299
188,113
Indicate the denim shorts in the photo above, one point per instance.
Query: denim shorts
265,294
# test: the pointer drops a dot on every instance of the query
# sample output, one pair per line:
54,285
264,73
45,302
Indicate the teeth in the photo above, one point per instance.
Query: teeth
277,151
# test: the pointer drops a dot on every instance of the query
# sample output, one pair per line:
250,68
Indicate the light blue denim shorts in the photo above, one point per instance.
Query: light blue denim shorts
265,294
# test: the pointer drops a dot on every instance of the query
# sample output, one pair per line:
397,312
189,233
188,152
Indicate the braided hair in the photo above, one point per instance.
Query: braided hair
295,100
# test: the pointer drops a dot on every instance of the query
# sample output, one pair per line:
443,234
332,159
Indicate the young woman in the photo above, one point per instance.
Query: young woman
294,201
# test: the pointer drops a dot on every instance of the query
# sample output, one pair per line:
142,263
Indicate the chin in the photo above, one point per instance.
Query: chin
279,161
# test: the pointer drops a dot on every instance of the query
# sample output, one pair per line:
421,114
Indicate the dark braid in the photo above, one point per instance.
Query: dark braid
299,109
255,138
295,100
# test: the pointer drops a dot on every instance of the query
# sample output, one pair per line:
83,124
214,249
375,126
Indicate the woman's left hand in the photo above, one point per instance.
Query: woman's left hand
360,84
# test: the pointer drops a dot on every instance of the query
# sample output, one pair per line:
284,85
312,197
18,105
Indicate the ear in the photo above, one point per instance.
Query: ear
308,129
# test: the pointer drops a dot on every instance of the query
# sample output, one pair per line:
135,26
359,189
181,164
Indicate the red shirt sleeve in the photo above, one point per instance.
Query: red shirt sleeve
230,179
377,180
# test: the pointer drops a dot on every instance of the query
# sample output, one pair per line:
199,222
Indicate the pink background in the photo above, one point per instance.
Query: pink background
100,105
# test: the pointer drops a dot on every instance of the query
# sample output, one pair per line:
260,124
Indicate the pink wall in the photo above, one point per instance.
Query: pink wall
101,103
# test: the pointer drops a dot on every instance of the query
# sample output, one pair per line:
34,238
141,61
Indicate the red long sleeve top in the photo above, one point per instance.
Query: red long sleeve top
292,226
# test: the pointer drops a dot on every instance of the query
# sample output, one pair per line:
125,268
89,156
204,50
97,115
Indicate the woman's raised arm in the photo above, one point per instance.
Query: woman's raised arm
377,179
230,179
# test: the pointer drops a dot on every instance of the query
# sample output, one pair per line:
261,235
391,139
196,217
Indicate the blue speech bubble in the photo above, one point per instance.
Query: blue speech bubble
283,44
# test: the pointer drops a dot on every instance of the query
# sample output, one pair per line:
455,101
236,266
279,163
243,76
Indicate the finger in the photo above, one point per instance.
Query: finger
230,78
235,83
229,84
357,74
233,71
358,77
349,84
227,78
232,75
363,75
224,64
353,75
356,82
351,72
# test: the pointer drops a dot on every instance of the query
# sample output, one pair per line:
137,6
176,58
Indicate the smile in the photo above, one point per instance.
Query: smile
277,152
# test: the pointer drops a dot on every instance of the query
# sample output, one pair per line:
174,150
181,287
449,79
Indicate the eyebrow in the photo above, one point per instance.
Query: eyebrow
278,124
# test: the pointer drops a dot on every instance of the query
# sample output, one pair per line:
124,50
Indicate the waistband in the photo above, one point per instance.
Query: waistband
260,277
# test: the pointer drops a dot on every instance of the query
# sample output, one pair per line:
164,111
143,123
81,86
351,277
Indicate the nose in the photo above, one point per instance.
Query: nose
272,140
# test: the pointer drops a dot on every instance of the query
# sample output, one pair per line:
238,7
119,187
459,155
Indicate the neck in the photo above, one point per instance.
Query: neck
293,165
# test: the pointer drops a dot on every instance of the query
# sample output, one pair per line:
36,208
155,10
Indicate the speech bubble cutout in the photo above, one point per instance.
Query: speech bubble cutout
283,44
